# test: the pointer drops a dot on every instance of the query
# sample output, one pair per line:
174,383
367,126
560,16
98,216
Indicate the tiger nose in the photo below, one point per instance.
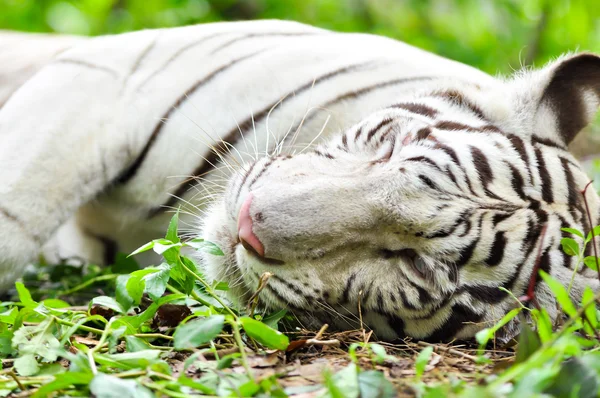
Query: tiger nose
245,234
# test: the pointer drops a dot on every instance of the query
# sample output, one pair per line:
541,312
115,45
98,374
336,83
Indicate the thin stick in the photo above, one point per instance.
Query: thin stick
587,210
448,350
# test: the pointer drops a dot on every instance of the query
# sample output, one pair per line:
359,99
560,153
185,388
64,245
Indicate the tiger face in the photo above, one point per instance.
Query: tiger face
414,219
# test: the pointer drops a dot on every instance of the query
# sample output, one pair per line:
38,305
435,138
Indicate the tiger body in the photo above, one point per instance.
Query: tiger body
429,189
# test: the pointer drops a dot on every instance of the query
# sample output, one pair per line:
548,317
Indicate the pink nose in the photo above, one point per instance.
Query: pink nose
245,233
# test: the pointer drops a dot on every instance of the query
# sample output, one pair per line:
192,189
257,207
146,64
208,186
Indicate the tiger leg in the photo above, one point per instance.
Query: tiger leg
61,144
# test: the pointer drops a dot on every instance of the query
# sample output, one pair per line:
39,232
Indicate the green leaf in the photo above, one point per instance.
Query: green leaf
422,361
529,342
573,231
135,344
263,334
561,294
372,383
156,282
105,386
272,320
195,333
55,303
172,230
596,233
344,384
591,262
574,376
543,324
9,316
226,361
590,311
485,335
62,381
379,352
129,360
186,381
205,246
107,302
26,365
569,246
142,249
25,295
122,296
135,284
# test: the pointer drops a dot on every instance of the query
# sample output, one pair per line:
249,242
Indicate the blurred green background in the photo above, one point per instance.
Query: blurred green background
496,36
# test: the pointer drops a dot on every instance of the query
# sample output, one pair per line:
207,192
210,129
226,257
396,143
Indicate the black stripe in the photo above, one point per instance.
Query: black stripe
427,181
375,129
572,187
482,166
243,37
450,152
419,109
404,301
89,65
132,169
246,175
423,133
466,253
178,53
519,146
260,173
345,141
347,288
546,182
424,159
358,133
486,294
497,251
516,181
459,316
547,142
443,233
499,217
231,137
366,90
396,324
459,99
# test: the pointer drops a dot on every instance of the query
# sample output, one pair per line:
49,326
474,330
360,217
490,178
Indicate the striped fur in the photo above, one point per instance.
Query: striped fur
383,176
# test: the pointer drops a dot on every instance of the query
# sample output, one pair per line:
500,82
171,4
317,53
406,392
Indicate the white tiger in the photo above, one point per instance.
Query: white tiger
429,189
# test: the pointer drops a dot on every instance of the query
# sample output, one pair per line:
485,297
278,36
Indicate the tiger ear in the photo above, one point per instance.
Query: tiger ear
569,97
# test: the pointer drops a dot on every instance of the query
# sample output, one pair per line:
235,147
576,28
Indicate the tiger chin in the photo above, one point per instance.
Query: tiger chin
412,220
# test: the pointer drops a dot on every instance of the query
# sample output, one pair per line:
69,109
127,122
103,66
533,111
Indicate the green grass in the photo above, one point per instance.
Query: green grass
164,331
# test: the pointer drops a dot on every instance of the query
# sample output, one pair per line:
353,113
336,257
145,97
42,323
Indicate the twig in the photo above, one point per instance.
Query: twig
587,210
320,332
448,350
253,301
330,343
16,379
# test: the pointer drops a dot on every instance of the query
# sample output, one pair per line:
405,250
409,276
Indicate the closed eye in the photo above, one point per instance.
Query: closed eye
409,256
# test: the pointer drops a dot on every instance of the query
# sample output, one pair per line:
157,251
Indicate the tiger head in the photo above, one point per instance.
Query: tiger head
415,218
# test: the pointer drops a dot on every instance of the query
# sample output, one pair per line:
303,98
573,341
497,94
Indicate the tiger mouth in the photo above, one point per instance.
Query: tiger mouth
254,254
